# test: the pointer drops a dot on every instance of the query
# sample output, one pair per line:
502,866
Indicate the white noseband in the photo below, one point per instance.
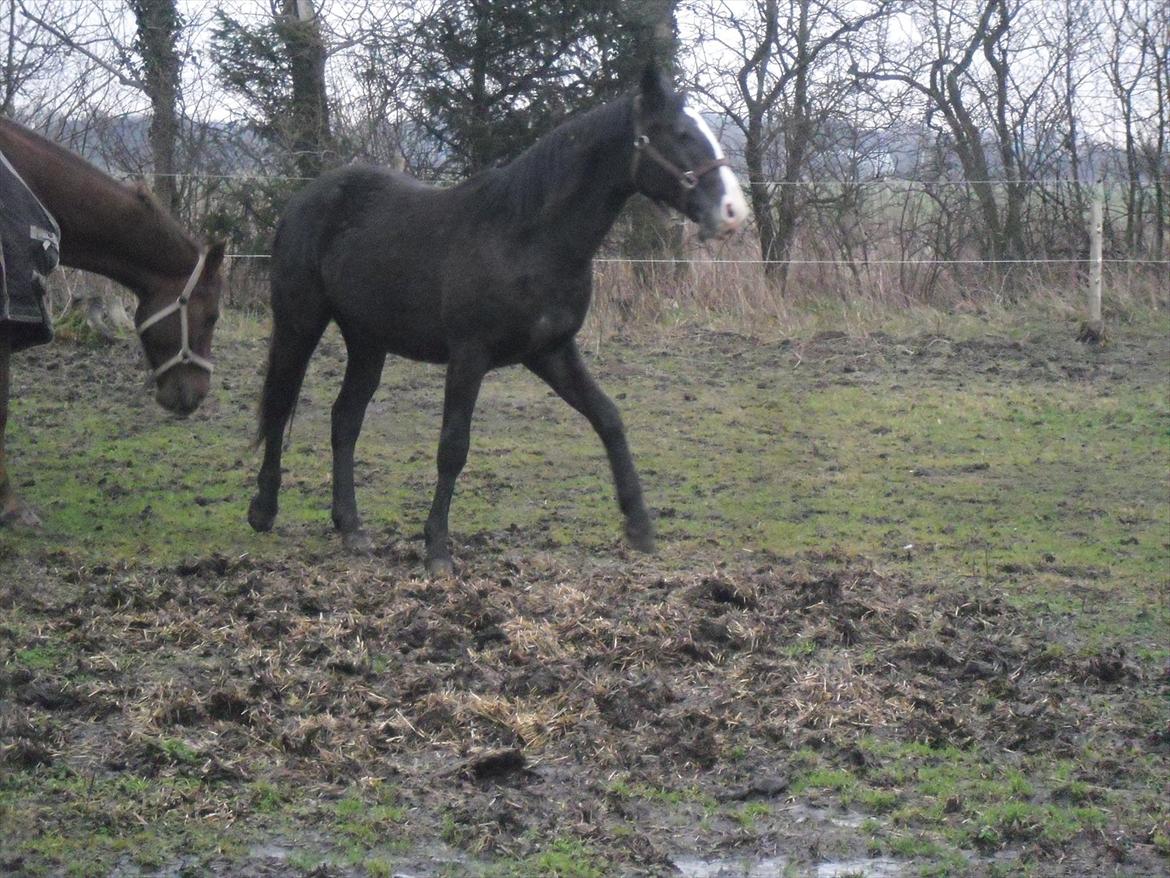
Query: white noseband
185,354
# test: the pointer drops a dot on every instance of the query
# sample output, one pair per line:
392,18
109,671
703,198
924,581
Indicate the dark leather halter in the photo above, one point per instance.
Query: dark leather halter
687,179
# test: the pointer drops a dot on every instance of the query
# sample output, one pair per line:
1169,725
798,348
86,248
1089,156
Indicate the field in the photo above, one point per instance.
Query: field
910,615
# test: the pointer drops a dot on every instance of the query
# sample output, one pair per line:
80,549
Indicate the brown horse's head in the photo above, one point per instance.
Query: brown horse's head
175,320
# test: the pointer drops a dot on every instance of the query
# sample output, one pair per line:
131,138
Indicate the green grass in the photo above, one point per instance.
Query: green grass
625,789
41,658
978,478
750,814
563,858
949,800
1047,491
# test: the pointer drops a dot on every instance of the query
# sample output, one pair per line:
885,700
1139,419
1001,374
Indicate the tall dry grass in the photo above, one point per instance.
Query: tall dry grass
727,286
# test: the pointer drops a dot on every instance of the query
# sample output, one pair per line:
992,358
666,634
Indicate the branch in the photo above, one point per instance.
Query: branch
77,47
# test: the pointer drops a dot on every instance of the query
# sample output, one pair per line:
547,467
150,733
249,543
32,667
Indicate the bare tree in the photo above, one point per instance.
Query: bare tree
24,59
373,102
1156,42
1138,71
971,98
145,62
786,81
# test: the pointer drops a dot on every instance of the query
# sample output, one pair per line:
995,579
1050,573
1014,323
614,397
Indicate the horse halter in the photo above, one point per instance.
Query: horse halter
687,179
185,354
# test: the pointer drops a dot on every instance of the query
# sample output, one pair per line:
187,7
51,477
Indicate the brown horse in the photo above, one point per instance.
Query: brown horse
119,231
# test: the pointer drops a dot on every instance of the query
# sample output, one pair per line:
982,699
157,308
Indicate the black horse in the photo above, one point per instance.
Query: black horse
494,271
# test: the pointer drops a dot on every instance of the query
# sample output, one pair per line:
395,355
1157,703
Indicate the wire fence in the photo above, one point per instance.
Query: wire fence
634,260
885,222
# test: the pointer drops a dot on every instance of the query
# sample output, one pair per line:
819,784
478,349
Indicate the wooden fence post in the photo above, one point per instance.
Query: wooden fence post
1093,331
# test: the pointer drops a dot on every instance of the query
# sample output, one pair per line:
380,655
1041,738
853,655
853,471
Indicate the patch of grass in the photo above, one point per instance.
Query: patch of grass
1160,839
660,795
178,751
267,798
914,846
41,658
876,801
751,813
736,753
364,821
306,861
562,858
833,779
800,649
997,824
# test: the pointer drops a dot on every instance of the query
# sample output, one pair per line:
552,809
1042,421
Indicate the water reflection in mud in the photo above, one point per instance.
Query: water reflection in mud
782,867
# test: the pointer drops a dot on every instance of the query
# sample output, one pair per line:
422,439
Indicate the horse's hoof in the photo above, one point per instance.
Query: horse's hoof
440,568
259,517
641,539
358,542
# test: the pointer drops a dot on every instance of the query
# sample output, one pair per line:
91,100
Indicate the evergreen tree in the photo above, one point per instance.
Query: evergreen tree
496,74
279,69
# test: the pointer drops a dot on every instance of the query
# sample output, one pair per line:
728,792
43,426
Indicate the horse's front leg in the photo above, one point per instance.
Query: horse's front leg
465,374
14,512
565,372
363,372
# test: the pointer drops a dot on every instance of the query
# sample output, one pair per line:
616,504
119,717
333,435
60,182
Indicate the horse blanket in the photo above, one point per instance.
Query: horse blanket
30,246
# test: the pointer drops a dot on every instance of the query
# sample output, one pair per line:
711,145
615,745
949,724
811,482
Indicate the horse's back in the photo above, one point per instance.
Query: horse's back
361,241
338,202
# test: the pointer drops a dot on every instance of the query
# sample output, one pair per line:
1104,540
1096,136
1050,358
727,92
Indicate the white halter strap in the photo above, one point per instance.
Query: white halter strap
185,354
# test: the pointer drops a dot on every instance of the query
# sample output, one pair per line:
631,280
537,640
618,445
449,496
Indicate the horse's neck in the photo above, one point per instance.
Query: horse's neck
579,210
107,227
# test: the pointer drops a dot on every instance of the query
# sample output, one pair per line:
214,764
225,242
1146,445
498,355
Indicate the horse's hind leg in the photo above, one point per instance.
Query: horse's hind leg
465,374
288,357
363,372
565,372
14,512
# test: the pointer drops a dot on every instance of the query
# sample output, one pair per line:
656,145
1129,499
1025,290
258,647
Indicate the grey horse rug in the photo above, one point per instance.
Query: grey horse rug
30,242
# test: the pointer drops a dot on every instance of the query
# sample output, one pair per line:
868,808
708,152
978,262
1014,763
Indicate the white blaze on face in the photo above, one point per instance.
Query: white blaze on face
733,210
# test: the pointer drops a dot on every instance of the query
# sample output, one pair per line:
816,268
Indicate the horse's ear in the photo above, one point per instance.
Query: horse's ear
655,89
215,253
142,192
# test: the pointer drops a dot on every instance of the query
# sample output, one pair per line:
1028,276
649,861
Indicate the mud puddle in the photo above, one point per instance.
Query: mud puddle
781,867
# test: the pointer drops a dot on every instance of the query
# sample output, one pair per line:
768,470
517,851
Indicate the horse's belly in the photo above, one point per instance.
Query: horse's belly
395,326
385,301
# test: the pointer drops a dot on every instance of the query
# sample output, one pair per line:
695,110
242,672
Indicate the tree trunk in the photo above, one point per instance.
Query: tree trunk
653,234
158,29
309,124
1159,166
480,140
760,192
6,100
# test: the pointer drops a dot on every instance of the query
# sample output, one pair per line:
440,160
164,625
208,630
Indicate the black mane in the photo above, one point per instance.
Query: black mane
553,166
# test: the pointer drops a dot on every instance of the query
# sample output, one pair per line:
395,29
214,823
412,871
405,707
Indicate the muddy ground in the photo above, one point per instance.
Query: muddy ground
729,706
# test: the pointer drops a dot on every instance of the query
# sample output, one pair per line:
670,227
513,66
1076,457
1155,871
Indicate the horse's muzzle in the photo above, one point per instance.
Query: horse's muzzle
182,390
725,218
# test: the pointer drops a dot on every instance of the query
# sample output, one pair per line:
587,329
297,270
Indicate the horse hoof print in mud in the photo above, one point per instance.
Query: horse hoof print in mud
495,271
